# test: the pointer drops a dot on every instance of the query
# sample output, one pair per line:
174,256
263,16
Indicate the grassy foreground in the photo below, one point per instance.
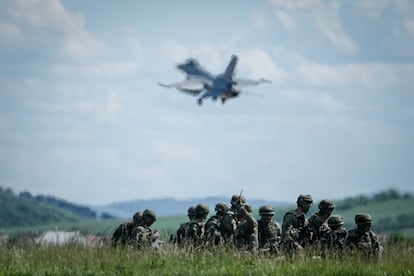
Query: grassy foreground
78,260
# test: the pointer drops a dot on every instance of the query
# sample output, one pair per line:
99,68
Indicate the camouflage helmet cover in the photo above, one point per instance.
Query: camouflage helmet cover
266,210
238,199
362,218
149,214
202,210
326,204
137,216
191,211
221,207
335,220
304,200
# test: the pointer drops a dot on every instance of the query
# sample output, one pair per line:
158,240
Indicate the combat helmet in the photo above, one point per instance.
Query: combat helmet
202,211
363,218
149,214
191,211
335,221
304,200
326,205
238,199
221,208
266,210
137,217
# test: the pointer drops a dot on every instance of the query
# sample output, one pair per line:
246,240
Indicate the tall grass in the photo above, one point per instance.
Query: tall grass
26,259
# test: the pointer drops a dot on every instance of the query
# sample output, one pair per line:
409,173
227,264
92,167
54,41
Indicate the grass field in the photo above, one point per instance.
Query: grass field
26,259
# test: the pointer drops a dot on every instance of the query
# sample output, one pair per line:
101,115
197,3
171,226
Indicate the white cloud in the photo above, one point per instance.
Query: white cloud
176,51
374,8
48,27
103,70
260,65
171,153
331,104
325,16
368,75
285,19
9,32
327,20
409,27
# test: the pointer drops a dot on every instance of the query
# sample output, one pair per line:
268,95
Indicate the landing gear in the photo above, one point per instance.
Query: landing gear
200,101
223,100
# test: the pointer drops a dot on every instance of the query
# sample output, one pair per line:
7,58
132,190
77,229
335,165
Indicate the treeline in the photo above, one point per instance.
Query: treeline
362,200
397,223
27,210
76,209
16,211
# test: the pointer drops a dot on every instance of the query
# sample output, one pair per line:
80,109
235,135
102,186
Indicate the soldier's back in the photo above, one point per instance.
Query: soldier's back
194,232
365,242
213,231
123,234
180,234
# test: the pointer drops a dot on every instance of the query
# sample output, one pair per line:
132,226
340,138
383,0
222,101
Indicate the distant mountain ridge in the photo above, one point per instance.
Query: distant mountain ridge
76,209
169,206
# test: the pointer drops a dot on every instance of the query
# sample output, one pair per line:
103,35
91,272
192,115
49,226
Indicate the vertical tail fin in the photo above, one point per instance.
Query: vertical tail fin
228,74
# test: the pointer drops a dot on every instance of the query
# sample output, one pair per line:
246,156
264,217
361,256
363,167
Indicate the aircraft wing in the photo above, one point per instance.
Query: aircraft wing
190,86
194,70
249,82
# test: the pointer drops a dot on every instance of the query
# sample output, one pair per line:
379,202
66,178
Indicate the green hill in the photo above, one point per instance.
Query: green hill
16,211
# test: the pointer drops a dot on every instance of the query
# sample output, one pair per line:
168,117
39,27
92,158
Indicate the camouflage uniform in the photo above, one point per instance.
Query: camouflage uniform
246,233
123,234
318,222
230,220
180,235
333,240
195,230
363,239
268,230
142,233
294,227
213,228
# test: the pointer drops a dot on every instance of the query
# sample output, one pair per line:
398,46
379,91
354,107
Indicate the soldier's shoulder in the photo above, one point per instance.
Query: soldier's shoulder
140,229
352,232
184,224
291,213
372,234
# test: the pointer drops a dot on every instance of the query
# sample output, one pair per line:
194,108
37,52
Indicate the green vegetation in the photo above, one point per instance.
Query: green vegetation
19,211
24,259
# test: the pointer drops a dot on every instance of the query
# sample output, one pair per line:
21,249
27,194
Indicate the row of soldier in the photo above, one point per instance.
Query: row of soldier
236,226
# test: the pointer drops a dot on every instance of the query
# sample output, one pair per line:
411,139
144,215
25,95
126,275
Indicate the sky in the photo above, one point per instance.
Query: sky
82,117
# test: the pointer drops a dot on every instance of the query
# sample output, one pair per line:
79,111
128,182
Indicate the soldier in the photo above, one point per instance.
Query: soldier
333,240
318,221
180,236
213,228
363,239
142,233
269,233
195,230
123,234
246,233
294,227
230,220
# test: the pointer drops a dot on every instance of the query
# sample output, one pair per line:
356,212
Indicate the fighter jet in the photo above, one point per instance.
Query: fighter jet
202,83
